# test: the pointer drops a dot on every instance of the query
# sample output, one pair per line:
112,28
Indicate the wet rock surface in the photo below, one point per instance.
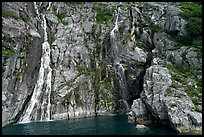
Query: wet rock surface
105,58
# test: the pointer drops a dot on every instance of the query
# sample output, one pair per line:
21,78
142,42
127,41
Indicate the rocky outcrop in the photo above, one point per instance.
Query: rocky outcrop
141,109
156,83
175,24
166,103
185,56
20,70
180,115
196,118
138,110
162,43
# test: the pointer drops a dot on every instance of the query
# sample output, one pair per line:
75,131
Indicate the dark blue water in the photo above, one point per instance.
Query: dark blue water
101,125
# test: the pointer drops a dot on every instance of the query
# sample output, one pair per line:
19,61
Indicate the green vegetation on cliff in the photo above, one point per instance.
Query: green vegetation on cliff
192,13
8,13
183,77
104,14
7,51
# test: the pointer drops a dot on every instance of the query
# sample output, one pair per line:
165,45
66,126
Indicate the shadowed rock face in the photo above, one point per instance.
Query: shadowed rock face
138,111
104,58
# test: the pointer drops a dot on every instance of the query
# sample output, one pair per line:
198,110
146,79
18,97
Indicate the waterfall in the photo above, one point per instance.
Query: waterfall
122,81
36,8
118,66
49,5
114,47
123,86
116,24
46,50
43,84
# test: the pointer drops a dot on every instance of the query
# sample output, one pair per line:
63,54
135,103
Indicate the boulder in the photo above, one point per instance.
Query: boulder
196,118
34,33
141,126
181,118
87,26
175,25
162,43
140,55
156,83
192,59
172,10
178,110
52,18
138,109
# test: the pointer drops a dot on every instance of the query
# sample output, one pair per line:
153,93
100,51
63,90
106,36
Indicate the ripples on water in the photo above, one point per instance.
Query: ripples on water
101,125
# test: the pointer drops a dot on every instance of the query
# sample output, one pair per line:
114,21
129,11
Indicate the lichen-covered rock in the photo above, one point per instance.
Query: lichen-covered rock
196,118
102,57
186,56
156,83
138,109
34,33
174,23
14,28
172,10
162,43
180,115
52,17
166,104
192,58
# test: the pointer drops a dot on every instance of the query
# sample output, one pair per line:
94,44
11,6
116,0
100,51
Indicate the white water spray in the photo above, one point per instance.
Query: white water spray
118,66
114,47
43,84
116,23
36,8
46,50
49,5
122,81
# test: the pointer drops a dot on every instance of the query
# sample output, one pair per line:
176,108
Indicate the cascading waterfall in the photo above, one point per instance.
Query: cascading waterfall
49,5
46,50
122,81
114,47
123,86
43,85
36,8
118,66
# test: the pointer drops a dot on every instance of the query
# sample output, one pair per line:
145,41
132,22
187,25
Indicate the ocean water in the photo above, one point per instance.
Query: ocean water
101,125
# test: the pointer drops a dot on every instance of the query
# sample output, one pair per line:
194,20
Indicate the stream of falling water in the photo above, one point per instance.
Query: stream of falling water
46,50
114,47
116,62
122,81
49,5
43,85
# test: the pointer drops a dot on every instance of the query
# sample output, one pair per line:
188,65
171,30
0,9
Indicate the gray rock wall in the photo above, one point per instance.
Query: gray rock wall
95,72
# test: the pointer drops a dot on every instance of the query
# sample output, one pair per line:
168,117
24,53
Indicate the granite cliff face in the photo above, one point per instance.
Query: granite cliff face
66,60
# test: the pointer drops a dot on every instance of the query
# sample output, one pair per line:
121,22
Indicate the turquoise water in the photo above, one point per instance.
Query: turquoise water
101,125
